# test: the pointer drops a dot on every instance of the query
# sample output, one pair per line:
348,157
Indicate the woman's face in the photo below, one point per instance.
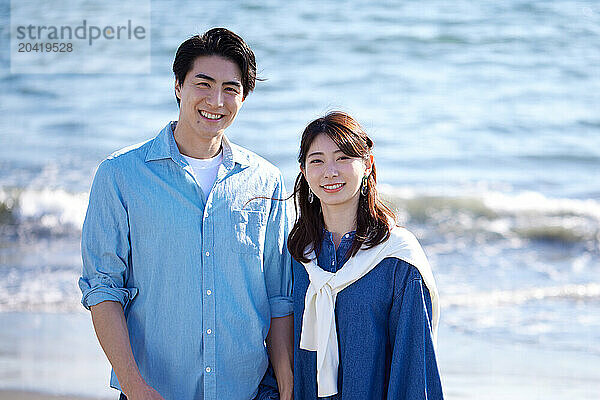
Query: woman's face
333,176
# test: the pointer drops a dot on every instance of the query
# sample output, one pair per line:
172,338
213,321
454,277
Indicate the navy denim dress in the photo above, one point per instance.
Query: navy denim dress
383,324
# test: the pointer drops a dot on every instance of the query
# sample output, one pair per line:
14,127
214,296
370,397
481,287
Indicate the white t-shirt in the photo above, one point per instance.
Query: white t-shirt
205,171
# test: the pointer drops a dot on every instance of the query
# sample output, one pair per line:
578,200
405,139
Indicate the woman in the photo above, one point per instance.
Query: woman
365,303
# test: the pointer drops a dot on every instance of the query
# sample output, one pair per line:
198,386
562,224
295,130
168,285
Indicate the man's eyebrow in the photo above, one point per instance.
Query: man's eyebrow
208,78
233,83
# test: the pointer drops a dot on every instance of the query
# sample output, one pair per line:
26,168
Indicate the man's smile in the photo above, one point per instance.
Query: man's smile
211,116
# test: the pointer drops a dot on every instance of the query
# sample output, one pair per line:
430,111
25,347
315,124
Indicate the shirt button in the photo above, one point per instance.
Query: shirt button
208,292
208,369
207,253
209,331
333,262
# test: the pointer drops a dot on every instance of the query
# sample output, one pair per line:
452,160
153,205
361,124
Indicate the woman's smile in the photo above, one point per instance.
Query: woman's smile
333,188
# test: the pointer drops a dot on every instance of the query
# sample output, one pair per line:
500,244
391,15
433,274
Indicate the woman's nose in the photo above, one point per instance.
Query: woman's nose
331,170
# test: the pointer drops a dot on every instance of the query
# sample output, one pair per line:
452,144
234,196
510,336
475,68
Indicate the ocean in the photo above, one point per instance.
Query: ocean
486,122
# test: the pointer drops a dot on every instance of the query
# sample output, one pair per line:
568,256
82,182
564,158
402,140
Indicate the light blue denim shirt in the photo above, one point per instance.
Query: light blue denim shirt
199,281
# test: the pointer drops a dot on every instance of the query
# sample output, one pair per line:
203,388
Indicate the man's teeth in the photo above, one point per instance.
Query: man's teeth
210,116
333,187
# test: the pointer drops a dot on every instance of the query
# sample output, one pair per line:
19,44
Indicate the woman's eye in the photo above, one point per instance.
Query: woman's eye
315,161
344,158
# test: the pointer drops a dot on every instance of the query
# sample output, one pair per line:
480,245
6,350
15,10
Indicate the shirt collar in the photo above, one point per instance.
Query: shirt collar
341,252
348,237
233,154
164,146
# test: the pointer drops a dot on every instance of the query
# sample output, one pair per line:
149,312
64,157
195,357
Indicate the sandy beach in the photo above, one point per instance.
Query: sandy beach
59,359
17,395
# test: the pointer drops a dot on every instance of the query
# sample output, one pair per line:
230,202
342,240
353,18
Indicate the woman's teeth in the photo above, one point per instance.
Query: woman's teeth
333,187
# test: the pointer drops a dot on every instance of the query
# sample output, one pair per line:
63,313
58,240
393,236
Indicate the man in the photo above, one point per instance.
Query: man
185,266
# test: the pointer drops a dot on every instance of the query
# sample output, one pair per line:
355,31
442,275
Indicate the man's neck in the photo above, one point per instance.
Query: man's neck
191,145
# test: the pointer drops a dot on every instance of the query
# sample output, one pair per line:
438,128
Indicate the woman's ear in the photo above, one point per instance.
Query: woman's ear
369,164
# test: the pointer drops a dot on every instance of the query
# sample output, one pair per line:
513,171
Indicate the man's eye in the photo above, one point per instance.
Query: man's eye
344,158
315,161
203,84
232,90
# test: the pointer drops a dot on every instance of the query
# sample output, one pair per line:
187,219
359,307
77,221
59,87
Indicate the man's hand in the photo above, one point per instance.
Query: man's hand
111,329
143,392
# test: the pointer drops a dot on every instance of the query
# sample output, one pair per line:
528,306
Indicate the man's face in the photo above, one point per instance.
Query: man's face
210,96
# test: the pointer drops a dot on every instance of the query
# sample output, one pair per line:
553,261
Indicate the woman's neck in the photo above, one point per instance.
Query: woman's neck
339,221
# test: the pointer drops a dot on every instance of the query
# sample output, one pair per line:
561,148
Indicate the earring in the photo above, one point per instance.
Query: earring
311,196
363,186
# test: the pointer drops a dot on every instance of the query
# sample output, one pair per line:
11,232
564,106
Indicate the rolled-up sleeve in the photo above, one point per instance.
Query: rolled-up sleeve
105,245
277,260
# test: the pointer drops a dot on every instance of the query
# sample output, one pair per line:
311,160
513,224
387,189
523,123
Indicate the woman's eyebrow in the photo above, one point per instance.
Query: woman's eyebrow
320,153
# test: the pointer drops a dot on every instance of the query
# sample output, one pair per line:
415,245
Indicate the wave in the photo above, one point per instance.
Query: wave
40,212
33,289
527,215
54,289
589,291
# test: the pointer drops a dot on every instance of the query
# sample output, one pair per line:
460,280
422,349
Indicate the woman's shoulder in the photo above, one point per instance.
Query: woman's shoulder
406,279
402,268
402,234
404,247
296,263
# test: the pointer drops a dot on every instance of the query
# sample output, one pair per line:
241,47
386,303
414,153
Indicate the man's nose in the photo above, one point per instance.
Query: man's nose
215,98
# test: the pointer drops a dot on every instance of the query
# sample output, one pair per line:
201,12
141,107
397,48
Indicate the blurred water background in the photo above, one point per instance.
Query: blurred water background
486,119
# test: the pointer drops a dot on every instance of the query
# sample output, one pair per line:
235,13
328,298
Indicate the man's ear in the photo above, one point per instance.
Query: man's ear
177,89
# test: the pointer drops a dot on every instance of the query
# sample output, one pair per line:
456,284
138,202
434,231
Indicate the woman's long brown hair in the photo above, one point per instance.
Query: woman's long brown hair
374,220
